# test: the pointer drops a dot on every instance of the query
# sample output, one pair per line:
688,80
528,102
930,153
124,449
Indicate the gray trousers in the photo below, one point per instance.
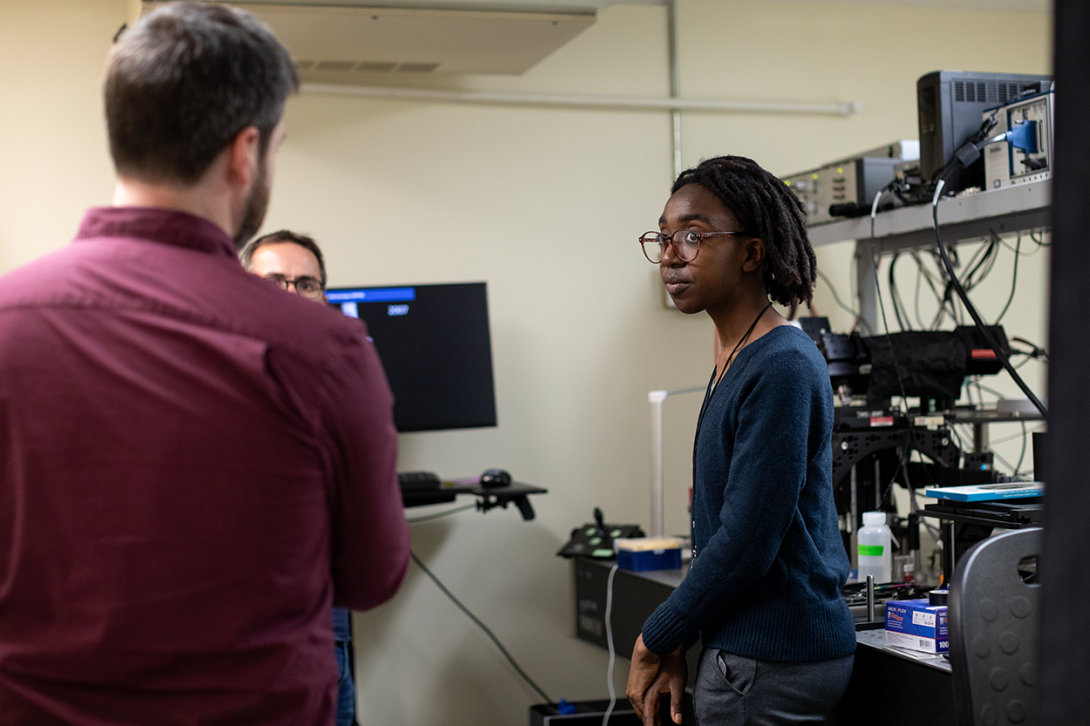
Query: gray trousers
732,690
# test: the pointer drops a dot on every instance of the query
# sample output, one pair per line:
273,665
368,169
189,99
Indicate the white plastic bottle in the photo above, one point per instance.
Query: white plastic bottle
874,556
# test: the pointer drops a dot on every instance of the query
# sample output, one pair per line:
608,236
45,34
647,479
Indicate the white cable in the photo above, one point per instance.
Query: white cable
609,642
874,206
873,214
938,193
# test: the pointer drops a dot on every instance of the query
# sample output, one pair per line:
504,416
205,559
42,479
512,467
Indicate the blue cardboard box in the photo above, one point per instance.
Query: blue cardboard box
917,625
648,553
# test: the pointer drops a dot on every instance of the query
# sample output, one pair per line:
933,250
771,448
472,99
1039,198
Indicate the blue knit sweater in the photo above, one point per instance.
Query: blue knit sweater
768,560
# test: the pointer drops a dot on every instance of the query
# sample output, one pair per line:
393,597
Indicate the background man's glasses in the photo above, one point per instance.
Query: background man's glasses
307,287
685,241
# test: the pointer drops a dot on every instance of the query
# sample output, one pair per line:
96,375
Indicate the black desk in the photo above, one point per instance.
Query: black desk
888,686
892,688
635,597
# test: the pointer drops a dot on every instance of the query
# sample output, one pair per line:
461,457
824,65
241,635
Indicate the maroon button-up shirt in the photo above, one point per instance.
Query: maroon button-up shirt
194,466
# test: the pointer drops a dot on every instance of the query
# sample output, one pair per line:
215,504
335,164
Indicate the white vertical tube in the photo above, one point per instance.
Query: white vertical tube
675,83
658,518
658,477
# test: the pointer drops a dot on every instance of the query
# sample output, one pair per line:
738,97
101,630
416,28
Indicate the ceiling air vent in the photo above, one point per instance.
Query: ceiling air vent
343,43
376,67
332,65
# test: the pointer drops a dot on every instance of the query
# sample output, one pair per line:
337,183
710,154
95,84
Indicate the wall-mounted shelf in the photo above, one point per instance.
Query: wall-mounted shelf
1007,210
973,216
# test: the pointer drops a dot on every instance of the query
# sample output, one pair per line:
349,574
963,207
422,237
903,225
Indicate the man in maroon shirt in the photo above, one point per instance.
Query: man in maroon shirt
294,262
194,467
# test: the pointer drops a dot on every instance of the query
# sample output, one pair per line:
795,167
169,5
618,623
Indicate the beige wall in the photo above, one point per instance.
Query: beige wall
544,204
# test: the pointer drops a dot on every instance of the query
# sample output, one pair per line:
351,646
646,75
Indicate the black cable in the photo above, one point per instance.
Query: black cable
881,305
902,461
836,298
482,626
1036,248
1014,280
948,293
972,310
1022,456
1005,439
987,256
895,294
429,517
925,274
943,299
1037,351
916,298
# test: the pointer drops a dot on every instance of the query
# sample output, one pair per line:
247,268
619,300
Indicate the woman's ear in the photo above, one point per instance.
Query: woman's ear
755,254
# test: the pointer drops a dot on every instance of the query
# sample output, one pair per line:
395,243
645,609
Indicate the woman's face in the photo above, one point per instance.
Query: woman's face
710,281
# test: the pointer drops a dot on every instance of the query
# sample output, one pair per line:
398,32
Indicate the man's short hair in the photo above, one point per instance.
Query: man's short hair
283,235
184,81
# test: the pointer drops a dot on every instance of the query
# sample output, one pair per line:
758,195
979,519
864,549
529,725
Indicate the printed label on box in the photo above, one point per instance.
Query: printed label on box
923,618
917,625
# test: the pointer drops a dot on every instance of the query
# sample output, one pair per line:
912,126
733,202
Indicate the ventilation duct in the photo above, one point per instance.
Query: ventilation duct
354,44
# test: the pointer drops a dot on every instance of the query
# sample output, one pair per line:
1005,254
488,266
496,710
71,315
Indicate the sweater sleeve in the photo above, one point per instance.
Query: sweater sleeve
769,455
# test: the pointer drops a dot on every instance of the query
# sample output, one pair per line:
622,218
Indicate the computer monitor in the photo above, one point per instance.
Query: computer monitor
951,107
435,345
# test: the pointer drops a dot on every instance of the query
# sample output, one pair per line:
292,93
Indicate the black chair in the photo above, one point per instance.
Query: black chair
993,617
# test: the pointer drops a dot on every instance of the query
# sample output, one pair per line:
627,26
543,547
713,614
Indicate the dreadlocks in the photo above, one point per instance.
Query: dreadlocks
765,208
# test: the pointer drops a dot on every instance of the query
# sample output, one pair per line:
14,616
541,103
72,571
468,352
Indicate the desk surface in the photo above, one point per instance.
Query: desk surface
904,690
876,639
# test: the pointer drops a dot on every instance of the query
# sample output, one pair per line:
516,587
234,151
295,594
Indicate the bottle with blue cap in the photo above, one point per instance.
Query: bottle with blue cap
874,556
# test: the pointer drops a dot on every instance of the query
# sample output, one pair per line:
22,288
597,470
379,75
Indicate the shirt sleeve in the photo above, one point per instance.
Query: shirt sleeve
370,537
768,469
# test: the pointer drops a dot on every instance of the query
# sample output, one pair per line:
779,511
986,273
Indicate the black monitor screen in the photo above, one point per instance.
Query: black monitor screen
435,345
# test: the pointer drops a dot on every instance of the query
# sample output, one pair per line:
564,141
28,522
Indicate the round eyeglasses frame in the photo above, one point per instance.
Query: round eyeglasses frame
686,247
306,286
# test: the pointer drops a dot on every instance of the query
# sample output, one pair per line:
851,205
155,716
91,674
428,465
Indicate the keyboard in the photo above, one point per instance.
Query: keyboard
415,481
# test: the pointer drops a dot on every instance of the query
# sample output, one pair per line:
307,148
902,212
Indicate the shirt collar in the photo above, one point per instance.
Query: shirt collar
167,226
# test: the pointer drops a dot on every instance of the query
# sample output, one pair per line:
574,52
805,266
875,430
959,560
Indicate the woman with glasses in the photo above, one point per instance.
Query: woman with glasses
763,589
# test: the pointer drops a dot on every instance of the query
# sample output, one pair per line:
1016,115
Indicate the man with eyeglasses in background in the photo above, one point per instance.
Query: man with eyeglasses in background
294,262
193,466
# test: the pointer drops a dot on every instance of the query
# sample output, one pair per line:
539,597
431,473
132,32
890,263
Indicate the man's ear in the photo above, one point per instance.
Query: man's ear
243,156
755,254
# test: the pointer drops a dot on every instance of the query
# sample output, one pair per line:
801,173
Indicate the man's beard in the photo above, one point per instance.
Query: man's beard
257,203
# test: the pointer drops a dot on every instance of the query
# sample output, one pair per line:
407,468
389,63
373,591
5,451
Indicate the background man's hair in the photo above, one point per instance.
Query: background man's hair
283,235
765,208
184,81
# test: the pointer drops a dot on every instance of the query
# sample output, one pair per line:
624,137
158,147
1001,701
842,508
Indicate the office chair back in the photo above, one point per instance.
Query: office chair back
993,631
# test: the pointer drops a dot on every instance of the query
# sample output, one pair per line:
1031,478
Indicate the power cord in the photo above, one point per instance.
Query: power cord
439,515
482,626
609,642
836,298
972,310
1014,278
881,304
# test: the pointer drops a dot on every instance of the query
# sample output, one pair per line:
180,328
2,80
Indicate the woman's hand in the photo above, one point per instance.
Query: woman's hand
650,677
